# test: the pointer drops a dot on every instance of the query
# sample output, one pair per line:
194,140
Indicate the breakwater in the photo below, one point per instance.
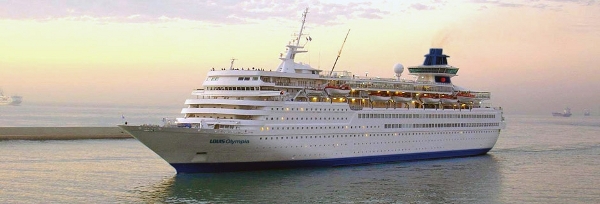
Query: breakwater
62,133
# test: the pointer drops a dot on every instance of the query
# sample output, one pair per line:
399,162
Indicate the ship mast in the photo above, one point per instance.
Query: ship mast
301,27
288,65
339,53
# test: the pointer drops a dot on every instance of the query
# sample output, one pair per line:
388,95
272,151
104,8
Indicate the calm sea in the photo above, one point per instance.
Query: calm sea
538,159
83,115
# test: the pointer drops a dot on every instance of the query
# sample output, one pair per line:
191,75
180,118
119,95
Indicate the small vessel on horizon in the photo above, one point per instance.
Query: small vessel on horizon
16,100
565,113
10,100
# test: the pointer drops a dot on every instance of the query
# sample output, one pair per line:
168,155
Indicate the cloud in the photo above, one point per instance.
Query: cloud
540,4
420,6
212,11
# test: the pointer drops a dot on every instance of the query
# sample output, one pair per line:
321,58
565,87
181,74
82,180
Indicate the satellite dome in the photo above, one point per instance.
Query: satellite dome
398,69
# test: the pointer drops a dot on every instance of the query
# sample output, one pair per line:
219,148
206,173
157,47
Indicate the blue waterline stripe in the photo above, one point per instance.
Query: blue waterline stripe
252,166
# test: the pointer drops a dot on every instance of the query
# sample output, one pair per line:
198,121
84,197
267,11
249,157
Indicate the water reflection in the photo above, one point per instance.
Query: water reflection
460,180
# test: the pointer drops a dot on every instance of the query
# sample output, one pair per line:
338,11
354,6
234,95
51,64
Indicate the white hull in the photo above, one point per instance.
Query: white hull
207,150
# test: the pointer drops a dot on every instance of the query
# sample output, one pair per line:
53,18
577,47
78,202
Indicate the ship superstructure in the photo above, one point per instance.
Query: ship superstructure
298,116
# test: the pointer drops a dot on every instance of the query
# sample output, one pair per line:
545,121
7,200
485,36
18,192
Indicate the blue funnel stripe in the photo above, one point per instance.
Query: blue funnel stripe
435,57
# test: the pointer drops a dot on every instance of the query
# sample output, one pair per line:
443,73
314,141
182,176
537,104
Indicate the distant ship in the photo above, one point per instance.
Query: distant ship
16,100
5,100
8,100
565,113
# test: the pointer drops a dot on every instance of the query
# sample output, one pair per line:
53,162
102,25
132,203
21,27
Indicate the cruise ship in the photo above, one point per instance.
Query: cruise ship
299,116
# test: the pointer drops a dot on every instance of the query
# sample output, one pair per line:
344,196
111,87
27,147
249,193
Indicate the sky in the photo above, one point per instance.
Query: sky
534,56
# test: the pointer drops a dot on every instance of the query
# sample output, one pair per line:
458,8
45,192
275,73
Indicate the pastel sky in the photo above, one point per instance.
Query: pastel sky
535,56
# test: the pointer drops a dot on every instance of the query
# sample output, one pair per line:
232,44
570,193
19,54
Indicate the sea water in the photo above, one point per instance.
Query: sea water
83,115
537,159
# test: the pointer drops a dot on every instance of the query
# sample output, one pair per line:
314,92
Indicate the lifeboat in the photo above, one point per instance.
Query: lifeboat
313,91
342,90
401,99
378,97
429,99
465,97
449,100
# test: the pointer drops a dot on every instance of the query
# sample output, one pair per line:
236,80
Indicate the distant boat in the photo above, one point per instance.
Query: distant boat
16,100
5,100
8,100
586,112
565,113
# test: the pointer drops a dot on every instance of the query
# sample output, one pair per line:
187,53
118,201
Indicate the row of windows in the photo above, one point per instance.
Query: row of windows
376,135
239,78
433,125
247,78
370,143
228,88
288,118
365,152
419,141
395,150
433,70
311,109
303,146
370,115
315,128
374,143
